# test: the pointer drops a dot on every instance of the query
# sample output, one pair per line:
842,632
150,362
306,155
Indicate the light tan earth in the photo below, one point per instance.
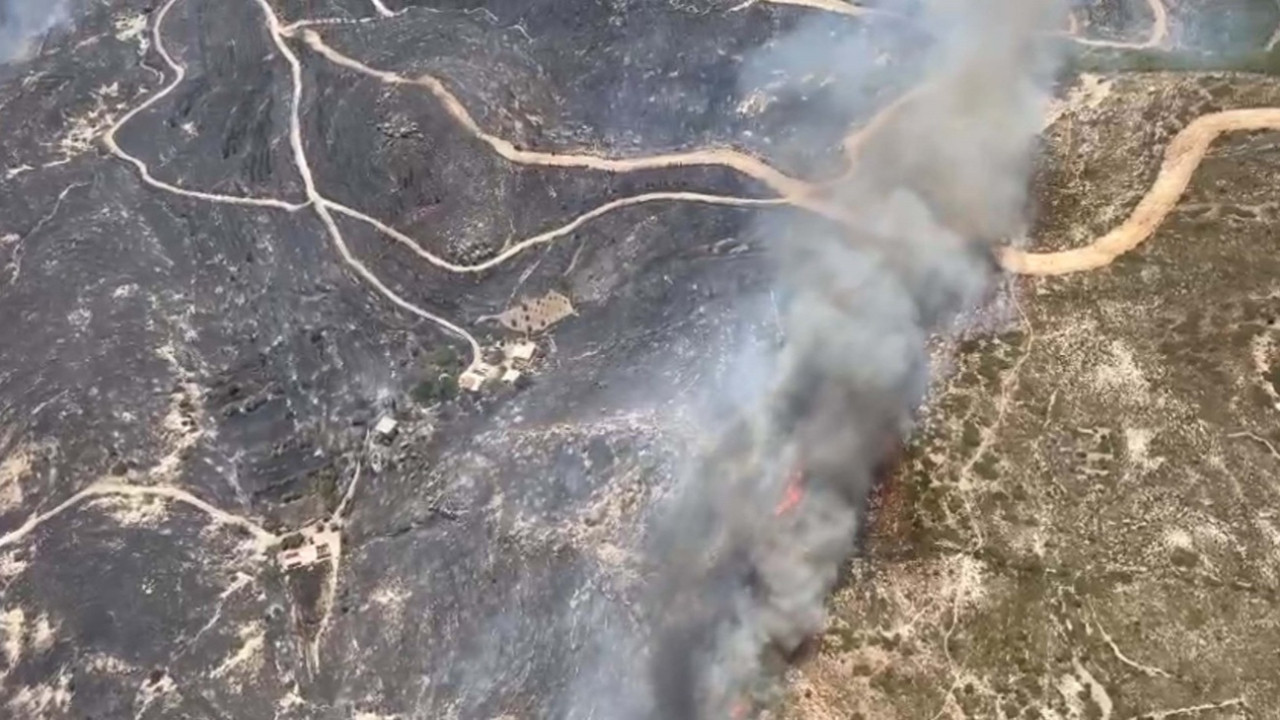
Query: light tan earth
1089,522
1181,159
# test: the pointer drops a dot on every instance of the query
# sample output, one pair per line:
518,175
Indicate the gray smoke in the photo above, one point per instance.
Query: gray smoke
23,21
742,573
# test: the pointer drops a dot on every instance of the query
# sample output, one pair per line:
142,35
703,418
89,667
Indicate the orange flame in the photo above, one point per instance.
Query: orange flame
792,494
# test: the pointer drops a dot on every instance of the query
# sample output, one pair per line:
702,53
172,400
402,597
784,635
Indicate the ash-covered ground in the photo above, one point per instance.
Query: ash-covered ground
164,341
188,389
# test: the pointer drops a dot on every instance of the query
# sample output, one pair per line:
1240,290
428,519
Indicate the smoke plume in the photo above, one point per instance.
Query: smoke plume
23,21
755,541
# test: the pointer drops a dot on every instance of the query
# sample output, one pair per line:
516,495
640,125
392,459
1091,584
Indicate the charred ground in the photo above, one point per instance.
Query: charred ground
1082,472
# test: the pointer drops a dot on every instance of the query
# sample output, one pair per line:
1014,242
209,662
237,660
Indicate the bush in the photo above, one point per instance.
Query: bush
427,392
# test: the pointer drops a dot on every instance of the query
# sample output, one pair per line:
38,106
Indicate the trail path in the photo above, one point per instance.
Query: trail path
179,73
263,538
1181,159
836,6
556,233
1156,38
793,191
1158,34
797,192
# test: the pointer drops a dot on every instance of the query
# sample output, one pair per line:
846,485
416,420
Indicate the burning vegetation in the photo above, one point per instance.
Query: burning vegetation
755,540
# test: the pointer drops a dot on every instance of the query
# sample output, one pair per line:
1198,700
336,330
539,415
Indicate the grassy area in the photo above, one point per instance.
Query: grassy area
439,382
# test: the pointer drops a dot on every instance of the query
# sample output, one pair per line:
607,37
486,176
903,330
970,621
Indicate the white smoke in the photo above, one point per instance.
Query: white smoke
22,22
739,584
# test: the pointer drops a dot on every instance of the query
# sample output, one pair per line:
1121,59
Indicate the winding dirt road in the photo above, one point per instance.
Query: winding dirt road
1158,34
793,191
263,538
1183,156
179,73
1181,159
797,192
555,234
1156,38
835,6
